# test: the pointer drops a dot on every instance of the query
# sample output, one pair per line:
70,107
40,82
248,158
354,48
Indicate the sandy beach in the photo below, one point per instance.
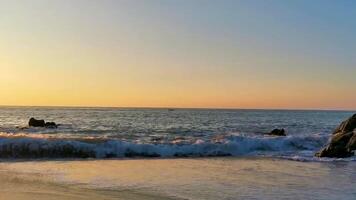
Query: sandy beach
44,185
214,178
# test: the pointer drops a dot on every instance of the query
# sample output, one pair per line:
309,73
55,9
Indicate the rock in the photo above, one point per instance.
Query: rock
277,132
347,125
36,123
51,125
41,123
351,146
337,147
343,141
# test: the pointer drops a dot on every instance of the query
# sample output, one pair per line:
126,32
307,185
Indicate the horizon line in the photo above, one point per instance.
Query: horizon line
166,107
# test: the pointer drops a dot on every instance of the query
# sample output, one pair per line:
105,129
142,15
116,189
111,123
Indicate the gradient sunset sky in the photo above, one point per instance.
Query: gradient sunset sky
296,54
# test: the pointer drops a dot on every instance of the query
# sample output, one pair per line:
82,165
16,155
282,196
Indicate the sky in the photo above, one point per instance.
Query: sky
273,54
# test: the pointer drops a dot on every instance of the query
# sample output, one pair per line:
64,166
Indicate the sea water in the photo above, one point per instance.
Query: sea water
123,132
126,153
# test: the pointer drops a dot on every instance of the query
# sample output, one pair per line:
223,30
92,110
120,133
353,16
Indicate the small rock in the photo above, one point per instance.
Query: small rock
36,123
51,125
277,132
41,123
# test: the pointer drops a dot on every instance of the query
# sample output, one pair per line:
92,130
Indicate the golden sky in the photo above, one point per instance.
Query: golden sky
228,54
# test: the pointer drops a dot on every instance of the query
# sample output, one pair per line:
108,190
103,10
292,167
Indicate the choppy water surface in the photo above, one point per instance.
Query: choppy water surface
121,132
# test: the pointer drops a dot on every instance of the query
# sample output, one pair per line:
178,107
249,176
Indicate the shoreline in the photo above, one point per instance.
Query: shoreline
242,157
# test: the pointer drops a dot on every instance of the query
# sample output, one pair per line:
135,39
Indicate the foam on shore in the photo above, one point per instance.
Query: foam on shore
35,146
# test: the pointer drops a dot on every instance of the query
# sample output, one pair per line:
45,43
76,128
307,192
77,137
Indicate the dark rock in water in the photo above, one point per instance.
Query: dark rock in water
36,123
278,132
346,126
51,125
351,145
343,141
337,147
41,123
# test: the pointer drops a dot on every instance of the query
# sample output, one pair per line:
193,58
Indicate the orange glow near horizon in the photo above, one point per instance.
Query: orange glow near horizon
131,54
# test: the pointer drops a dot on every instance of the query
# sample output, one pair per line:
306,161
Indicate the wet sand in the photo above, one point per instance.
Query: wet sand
20,185
213,178
19,188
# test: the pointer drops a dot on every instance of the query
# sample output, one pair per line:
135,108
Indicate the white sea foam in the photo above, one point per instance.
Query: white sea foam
37,146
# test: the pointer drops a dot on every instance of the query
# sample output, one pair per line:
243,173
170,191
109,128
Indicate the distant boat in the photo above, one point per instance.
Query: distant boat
171,109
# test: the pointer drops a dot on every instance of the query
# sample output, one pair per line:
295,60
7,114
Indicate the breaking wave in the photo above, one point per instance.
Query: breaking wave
24,146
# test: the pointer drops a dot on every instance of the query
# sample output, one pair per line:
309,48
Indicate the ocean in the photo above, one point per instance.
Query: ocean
129,153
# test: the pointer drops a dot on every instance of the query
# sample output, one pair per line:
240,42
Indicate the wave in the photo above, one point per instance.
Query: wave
24,146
